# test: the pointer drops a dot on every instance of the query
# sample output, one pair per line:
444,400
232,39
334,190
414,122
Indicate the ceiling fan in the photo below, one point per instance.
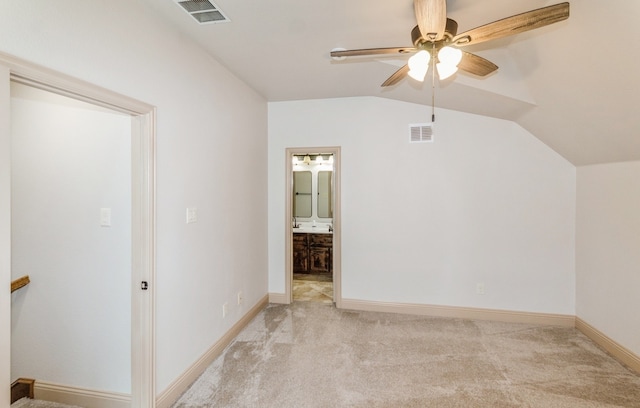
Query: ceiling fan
435,39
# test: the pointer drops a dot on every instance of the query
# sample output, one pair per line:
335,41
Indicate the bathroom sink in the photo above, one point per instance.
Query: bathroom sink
312,230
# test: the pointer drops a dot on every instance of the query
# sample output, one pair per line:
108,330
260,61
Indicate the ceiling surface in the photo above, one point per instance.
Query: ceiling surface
574,84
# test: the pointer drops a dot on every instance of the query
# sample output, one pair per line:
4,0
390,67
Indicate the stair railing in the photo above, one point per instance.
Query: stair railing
20,283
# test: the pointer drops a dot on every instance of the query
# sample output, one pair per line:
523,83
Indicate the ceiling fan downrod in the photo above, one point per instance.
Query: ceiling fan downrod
433,85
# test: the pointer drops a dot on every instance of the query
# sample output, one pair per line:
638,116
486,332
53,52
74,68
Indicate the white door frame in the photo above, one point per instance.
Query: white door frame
337,236
142,215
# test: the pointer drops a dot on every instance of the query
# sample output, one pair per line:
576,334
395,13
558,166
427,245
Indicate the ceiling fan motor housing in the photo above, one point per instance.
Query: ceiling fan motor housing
450,31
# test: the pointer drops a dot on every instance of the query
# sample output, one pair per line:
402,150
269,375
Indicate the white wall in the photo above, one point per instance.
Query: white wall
211,154
607,250
424,223
72,324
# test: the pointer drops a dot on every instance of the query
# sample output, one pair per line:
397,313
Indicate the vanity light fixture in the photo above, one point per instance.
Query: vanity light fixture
318,159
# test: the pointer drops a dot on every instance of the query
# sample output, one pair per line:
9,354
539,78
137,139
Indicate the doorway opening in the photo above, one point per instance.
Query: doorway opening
313,225
71,235
142,226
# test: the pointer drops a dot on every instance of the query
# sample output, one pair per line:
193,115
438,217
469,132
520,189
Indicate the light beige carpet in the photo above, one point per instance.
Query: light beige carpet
313,355
29,403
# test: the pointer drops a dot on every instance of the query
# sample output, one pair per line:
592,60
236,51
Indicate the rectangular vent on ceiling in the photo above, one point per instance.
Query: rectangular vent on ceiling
204,11
421,133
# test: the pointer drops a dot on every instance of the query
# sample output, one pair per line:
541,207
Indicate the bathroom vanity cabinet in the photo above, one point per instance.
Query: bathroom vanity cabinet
312,253
300,253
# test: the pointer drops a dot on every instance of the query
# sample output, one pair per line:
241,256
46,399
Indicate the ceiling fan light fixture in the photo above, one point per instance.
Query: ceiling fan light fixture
445,70
419,65
450,56
435,29
418,74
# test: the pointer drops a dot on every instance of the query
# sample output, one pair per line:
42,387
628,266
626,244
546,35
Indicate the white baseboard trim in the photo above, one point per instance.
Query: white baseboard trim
620,353
279,298
182,383
461,312
82,397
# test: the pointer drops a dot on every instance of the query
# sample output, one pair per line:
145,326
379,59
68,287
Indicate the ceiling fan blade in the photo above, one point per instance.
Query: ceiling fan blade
397,76
514,25
372,51
432,18
476,65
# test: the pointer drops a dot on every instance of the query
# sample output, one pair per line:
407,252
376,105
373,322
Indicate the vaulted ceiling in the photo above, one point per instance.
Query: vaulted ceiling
574,84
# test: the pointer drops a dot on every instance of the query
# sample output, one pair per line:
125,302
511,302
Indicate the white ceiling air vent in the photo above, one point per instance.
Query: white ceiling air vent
204,11
421,133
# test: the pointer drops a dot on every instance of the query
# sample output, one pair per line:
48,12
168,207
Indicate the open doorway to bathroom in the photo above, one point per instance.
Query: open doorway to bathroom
313,230
312,227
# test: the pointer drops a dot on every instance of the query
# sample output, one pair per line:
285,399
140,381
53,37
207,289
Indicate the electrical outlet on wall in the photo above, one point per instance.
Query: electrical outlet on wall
225,309
480,288
240,298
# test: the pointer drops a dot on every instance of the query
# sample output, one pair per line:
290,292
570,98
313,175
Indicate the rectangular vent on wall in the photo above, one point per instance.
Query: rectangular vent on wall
204,11
421,133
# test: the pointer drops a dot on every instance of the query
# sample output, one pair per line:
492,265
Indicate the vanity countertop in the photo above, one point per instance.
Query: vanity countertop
312,230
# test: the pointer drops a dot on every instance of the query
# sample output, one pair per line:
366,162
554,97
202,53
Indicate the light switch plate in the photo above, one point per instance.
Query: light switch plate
105,217
192,215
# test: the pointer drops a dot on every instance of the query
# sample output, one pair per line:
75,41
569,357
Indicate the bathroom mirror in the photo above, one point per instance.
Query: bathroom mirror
302,194
325,204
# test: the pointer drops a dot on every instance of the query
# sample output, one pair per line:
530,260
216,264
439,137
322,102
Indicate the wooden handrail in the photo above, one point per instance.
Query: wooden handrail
19,283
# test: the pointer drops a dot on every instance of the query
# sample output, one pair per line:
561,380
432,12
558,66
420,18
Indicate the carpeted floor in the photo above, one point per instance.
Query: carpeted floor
313,355
28,403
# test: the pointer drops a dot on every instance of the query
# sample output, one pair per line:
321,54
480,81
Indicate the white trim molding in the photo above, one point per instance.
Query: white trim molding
279,298
620,353
82,397
143,239
184,381
461,312
5,235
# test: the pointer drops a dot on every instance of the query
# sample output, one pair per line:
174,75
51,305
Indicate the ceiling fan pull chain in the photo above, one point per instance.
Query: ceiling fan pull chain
433,84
